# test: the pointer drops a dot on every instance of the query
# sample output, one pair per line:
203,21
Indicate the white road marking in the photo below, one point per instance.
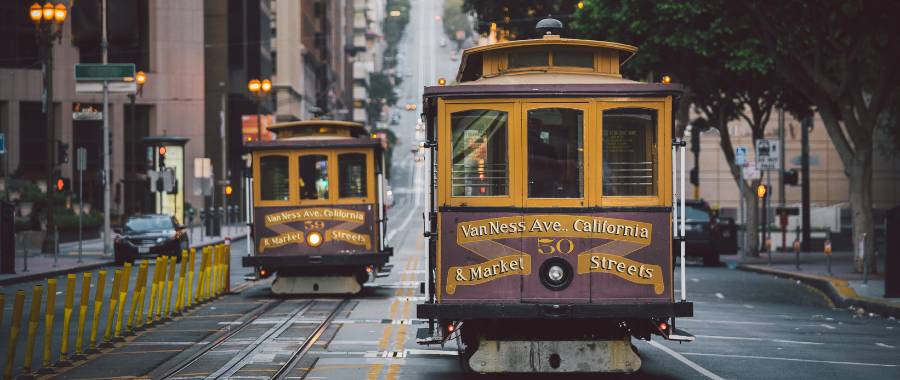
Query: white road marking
695,280
729,322
790,359
720,296
686,361
830,327
755,339
879,344
748,306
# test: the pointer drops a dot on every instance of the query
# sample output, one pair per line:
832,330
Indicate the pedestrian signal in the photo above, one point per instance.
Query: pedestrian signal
62,184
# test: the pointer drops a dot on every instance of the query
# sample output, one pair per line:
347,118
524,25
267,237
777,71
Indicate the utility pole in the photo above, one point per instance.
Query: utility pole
695,149
781,155
806,125
47,50
106,180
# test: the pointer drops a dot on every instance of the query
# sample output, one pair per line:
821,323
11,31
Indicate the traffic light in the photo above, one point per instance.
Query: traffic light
762,191
695,177
791,177
63,184
62,152
228,190
162,157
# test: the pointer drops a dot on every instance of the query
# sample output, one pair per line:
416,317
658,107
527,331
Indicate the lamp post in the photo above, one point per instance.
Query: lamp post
139,78
260,89
48,22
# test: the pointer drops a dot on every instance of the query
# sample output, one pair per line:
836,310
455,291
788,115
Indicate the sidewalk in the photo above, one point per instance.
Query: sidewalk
845,287
42,266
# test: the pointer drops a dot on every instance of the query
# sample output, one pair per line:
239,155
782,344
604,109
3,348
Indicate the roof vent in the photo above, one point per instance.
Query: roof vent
549,27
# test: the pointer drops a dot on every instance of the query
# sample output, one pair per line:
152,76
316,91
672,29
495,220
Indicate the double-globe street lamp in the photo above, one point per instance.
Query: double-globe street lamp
260,89
48,22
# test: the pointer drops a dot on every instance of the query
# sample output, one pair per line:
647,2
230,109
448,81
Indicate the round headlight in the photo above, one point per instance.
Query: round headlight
556,273
160,240
314,239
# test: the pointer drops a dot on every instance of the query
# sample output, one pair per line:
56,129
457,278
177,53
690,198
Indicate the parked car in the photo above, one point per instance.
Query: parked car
150,235
701,233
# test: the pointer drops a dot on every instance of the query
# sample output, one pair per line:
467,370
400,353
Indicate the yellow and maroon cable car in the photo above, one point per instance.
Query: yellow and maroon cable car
318,210
552,216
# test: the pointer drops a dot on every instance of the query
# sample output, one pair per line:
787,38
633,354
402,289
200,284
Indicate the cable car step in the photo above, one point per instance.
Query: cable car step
680,335
424,336
382,274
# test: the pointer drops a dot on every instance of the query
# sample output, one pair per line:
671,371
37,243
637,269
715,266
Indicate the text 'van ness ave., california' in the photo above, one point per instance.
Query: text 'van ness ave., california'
315,213
554,226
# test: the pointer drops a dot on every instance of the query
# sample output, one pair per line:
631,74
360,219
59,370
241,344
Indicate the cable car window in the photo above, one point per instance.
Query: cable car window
313,177
479,153
555,153
274,183
528,58
572,58
629,152
352,175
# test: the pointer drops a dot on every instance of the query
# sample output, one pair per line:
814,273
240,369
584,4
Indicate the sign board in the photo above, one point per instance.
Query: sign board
154,176
103,72
751,173
740,156
202,167
81,159
87,115
113,87
787,211
767,155
2,143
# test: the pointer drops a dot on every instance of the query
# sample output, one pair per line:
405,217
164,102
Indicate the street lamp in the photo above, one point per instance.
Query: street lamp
48,22
260,89
139,78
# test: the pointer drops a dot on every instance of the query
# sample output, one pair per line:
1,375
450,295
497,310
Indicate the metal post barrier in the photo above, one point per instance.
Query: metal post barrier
136,296
111,313
123,295
213,285
14,327
160,287
82,315
33,319
98,307
228,267
191,295
179,298
67,316
49,314
223,268
170,281
207,284
154,287
200,275
219,269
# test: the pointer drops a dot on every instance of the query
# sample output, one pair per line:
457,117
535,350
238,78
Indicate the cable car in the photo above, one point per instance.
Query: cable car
318,210
552,218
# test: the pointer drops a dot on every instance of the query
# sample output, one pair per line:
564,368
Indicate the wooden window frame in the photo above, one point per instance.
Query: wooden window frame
295,176
370,177
292,184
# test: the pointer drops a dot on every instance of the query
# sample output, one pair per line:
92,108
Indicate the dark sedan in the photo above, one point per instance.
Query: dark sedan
700,232
153,235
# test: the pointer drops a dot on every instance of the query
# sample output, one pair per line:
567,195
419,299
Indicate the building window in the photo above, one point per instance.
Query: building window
479,153
128,32
629,152
555,153
352,175
274,183
314,177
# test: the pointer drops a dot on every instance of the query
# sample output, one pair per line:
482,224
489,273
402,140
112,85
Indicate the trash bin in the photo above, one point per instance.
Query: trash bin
892,256
7,239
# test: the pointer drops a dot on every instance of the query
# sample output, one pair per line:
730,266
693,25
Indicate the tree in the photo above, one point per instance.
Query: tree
701,47
842,56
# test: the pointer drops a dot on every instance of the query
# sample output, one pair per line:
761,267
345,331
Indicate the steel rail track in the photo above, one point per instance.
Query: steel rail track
254,315
309,342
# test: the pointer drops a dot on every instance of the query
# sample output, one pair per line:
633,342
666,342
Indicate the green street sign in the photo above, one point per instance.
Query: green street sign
101,72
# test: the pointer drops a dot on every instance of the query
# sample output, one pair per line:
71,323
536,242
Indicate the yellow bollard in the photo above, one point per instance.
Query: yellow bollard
111,314
170,282
200,274
67,316
207,273
49,313
163,284
179,299
123,295
33,319
98,308
191,296
214,269
154,285
18,305
82,315
228,268
222,270
136,297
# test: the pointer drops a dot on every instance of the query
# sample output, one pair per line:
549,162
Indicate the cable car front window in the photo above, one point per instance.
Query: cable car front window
555,153
352,175
479,153
313,177
274,183
629,152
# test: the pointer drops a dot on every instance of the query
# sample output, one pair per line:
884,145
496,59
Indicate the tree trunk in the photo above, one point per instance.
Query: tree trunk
861,207
751,229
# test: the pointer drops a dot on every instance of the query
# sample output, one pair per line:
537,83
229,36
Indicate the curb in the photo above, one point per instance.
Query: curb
839,291
62,272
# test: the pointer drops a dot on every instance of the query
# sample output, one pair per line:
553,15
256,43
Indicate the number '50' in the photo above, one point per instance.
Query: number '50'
551,246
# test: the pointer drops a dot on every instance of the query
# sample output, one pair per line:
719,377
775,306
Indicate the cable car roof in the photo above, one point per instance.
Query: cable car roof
317,129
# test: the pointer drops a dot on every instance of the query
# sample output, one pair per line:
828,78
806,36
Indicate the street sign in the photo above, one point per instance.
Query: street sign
751,173
154,176
88,114
787,210
2,143
81,159
97,87
104,72
740,155
767,155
